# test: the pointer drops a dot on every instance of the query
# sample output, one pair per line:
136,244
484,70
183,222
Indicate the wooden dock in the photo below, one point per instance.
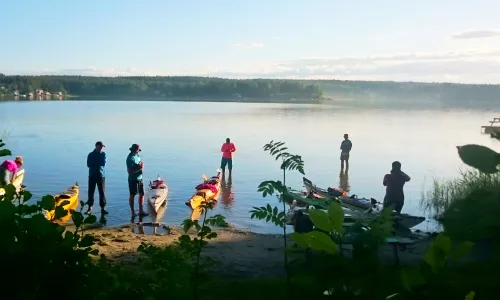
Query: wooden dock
493,128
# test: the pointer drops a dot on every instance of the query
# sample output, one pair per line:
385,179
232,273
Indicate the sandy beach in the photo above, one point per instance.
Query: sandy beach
236,253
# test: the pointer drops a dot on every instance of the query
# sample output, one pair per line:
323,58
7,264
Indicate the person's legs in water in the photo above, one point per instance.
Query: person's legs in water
230,166
140,188
90,196
133,189
101,184
344,158
223,163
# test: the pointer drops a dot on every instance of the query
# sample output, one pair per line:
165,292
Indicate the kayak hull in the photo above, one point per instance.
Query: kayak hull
203,195
403,220
158,192
71,194
18,181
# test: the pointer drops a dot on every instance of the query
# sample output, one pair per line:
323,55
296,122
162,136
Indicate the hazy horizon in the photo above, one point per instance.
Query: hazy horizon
387,40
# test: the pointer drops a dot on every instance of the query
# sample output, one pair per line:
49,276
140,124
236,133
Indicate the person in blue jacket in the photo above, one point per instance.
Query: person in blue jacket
96,161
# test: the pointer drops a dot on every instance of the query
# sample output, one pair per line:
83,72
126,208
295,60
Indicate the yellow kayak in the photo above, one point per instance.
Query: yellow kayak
208,190
71,195
18,181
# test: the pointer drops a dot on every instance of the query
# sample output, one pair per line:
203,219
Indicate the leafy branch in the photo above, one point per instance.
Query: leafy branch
194,246
269,214
290,162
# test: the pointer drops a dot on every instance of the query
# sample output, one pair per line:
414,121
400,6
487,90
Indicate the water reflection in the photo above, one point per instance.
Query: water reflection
156,226
227,194
344,182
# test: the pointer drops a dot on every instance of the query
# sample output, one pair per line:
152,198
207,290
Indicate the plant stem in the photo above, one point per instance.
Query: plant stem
284,228
198,254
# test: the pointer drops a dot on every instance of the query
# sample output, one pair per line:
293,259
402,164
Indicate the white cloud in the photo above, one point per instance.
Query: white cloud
464,67
247,45
468,66
476,34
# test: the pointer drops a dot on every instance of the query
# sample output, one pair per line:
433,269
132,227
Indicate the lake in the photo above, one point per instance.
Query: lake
181,141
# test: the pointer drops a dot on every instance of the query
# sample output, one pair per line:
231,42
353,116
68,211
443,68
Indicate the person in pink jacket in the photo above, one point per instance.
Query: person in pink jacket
227,150
8,170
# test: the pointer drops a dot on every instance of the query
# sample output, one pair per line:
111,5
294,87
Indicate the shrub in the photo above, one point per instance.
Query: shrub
445,193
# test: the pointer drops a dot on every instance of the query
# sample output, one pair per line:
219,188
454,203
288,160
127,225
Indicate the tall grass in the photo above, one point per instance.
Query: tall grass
445,192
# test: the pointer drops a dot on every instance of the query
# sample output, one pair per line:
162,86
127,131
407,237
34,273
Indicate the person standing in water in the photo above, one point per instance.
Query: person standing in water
394,183
96,161
135,182
345,148
227,150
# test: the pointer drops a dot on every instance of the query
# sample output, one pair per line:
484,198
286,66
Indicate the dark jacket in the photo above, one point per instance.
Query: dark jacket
95,162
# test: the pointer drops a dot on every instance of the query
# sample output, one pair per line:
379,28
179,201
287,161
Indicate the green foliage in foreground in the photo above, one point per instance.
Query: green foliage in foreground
469,206
44,260
360,274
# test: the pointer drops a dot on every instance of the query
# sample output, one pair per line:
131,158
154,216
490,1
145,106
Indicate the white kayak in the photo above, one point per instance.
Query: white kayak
157,195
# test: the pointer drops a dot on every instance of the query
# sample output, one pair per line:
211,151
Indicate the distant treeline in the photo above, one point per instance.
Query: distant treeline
412,93
174,87
271,90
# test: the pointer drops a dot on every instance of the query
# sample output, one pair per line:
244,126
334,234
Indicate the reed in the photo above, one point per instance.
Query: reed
445,192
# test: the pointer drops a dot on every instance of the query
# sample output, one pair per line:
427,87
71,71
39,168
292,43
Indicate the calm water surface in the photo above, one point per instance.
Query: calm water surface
181,141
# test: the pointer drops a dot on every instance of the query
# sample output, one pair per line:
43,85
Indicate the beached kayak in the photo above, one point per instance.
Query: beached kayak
18,181
351,202
318,202
71,195
157,195
207,191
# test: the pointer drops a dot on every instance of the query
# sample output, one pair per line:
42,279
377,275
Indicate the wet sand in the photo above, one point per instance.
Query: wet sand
236,253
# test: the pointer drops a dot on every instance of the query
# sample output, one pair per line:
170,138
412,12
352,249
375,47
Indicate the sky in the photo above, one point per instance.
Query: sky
400,40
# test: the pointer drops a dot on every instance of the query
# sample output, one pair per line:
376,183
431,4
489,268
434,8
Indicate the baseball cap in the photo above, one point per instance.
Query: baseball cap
99,143
135,147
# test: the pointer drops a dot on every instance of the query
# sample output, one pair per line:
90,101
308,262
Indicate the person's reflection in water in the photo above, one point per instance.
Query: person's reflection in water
139,225
226,191
102,220
344,181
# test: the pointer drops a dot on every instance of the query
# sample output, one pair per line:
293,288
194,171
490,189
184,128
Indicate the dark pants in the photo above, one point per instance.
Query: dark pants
397,202
100,183
226,162
135,186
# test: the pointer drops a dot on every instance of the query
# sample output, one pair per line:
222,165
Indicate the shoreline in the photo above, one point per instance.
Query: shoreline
236,252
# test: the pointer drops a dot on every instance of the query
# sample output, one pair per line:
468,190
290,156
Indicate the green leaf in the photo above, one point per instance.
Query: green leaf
90,219
321,220
60,212
470,296
443,243
211,235
316,240
275,210
27,196
480,157
5,152
461,251
322,242
77,218
437,252
269,208
48,202
86,241
300,239
411,278
336,214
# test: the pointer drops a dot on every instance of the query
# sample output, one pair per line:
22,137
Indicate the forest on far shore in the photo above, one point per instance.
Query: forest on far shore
243,90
